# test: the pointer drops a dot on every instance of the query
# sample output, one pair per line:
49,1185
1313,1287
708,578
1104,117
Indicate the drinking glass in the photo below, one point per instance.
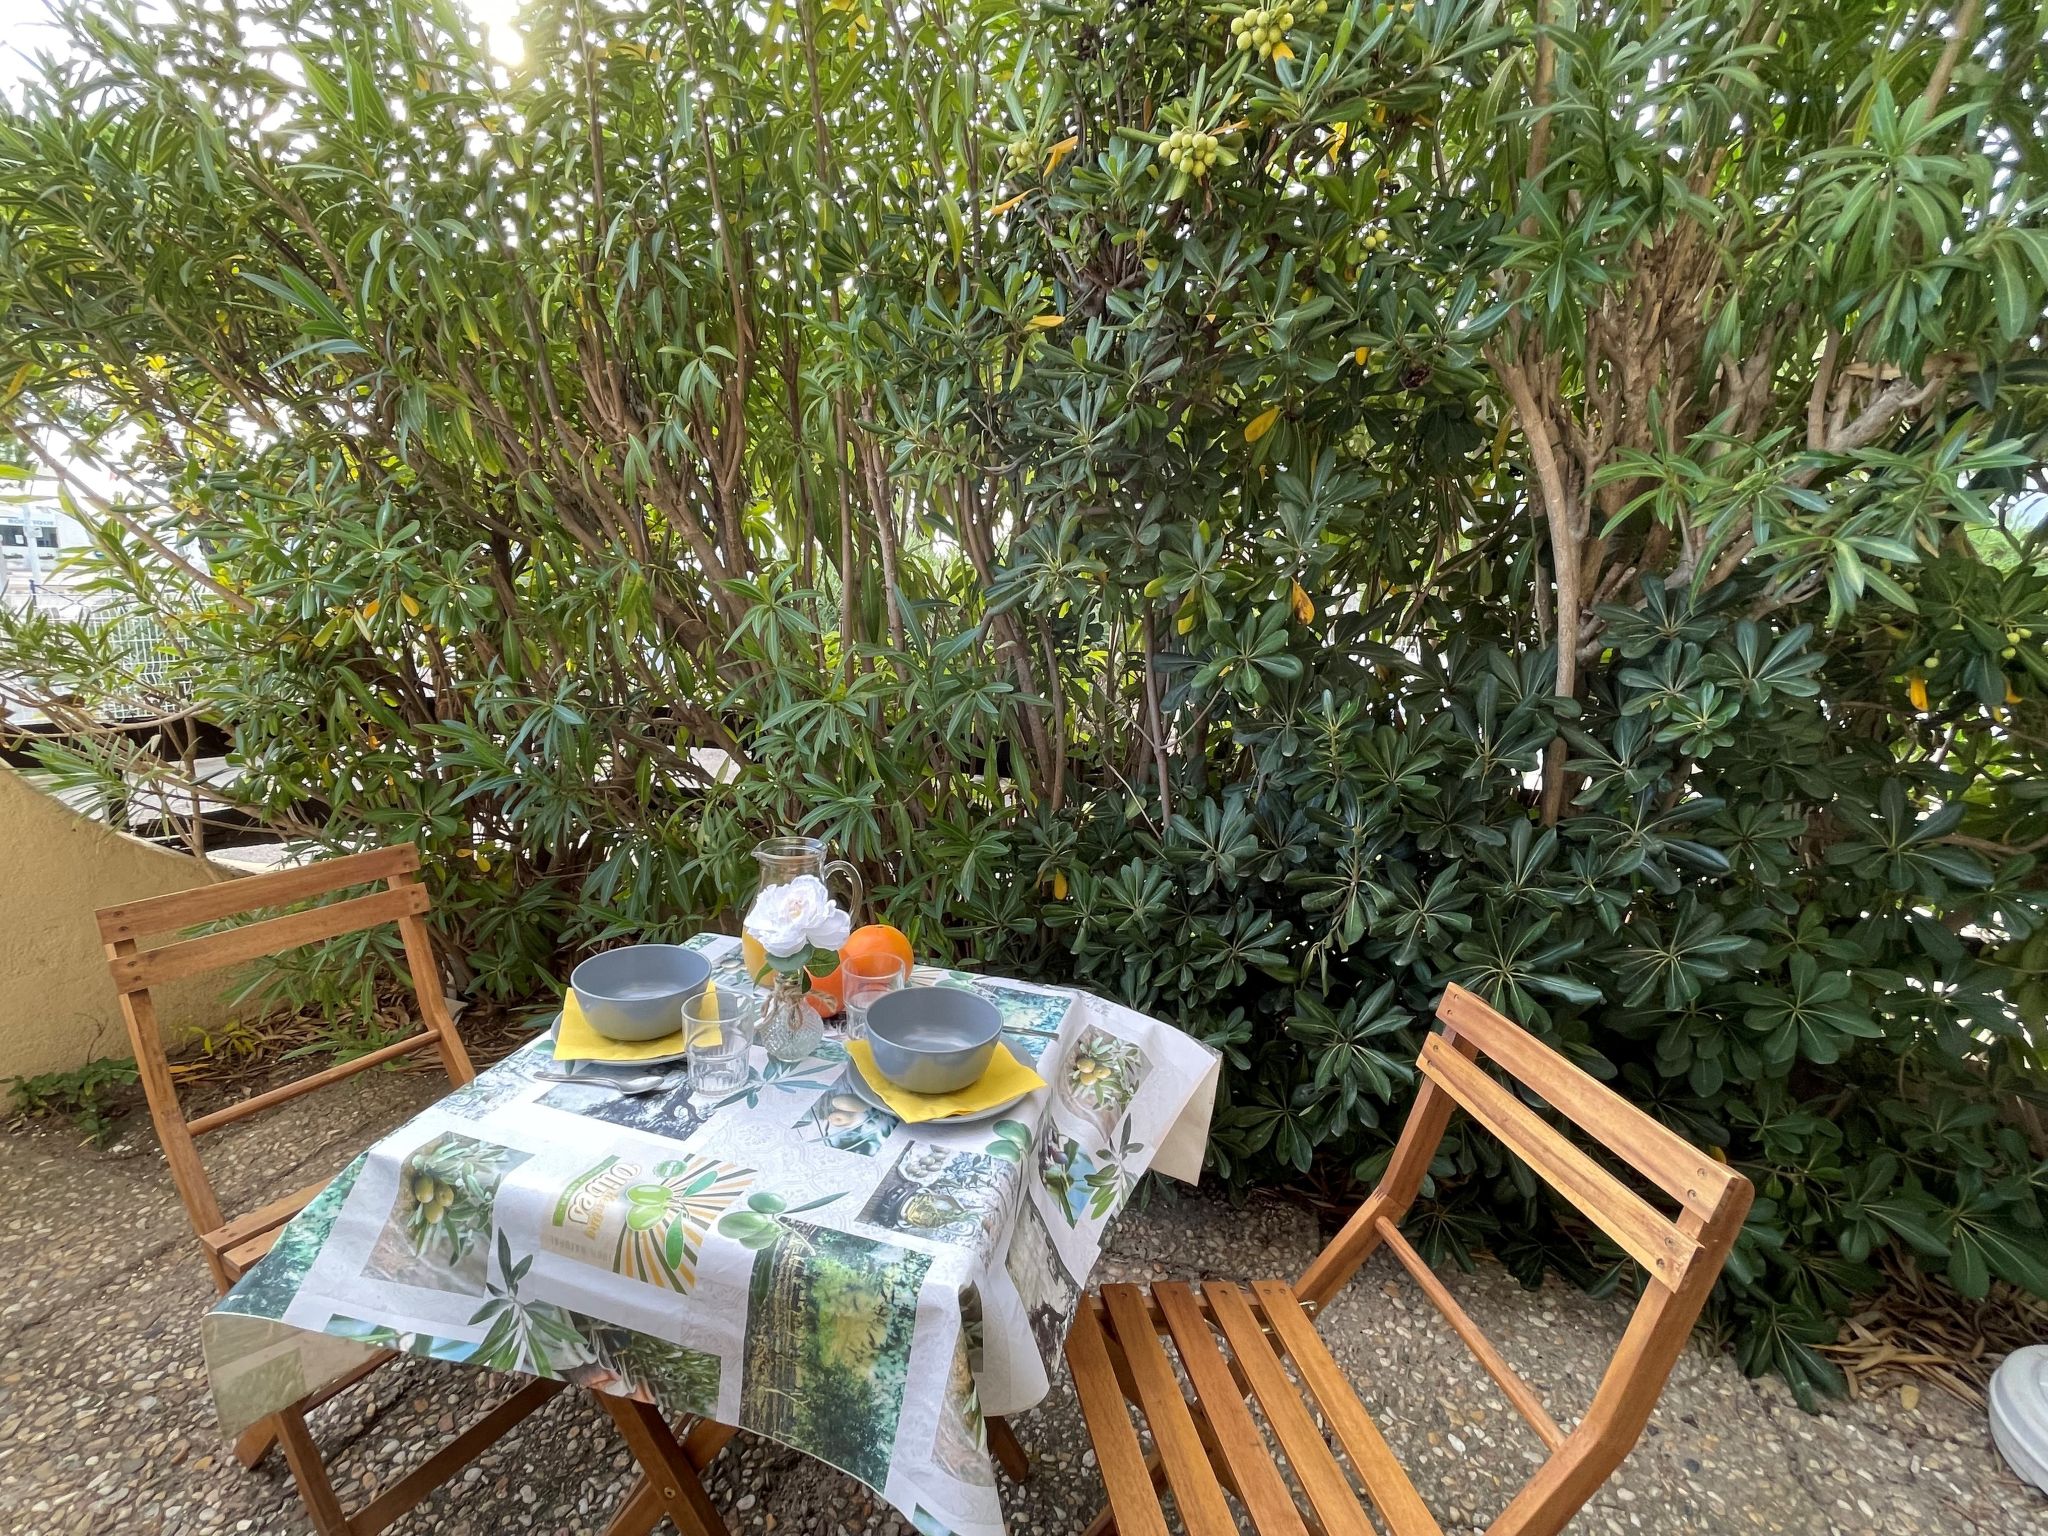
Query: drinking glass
864,980
718,1033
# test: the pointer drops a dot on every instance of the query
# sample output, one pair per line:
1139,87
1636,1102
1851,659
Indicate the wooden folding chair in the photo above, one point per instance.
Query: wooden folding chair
1207,1441
232,1246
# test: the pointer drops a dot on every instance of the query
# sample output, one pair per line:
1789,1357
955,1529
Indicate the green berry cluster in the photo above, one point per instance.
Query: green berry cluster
1261,27
1266,27
428,1193
1190,150
1024,152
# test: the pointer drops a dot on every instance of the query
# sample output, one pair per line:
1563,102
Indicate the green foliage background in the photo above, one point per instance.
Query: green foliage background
1530,497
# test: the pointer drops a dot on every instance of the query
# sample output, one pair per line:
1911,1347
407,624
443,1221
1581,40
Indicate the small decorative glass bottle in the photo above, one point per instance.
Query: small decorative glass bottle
790,1028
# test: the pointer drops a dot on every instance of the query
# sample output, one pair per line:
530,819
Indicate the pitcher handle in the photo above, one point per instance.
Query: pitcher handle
857,891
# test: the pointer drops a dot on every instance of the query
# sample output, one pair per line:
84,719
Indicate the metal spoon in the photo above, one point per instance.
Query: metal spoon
646,1083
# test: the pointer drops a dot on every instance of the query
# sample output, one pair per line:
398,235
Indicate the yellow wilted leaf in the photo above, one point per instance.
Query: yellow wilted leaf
14,384
410,604
1060,151
372,608
1282,51
1047,322
1339,132
1916,690
2012,695
1261,424
1059,885
1304,607
1362,356
1005,206
1184,623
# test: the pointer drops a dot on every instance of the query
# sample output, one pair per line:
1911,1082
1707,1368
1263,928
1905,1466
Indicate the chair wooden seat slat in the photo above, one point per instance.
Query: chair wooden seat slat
1322,1480
1258,1484
1186,1460
1118,1455
231,1247
1117,1349
1372,1459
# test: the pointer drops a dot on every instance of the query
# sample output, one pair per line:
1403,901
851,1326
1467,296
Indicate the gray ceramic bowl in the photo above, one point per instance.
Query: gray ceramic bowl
933,1039
637,993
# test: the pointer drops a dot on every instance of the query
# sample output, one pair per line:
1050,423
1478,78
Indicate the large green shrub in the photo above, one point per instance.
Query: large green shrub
1262,531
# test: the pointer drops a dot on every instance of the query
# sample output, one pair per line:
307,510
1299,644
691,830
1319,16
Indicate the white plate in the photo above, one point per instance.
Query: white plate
630,1066
874,1100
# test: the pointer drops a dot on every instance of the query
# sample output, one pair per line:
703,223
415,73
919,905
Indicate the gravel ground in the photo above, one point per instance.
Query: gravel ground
105,1423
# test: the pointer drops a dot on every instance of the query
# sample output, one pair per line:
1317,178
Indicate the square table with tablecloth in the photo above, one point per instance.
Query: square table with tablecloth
784,1258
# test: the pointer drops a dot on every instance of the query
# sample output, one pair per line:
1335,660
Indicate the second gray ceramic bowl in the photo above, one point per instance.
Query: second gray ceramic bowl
933,1039
637,993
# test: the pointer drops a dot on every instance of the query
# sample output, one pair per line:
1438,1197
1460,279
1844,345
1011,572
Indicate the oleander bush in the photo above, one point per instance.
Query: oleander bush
1259,512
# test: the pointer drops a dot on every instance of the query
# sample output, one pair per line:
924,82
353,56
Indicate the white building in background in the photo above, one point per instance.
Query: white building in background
33,534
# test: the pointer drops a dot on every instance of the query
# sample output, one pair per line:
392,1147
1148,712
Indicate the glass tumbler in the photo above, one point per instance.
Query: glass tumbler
718,1033
863,981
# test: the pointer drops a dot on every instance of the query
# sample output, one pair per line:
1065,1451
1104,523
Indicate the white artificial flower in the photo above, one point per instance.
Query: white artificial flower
833,930
790,919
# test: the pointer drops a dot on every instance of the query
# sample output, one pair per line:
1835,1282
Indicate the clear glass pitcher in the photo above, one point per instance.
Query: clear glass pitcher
782,859
793,1023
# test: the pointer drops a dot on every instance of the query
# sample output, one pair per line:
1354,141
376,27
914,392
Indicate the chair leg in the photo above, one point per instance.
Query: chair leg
1003,1441
672,1480
640,1512
254,1443
310,1473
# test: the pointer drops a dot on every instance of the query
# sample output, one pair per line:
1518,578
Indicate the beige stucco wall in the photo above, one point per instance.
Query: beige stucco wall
57,1007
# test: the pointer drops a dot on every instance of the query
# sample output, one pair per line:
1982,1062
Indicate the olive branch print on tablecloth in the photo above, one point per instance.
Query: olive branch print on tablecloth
1012,1141
666,1219
1104,1070
546,1340
448,1189
786,1077
1083,1185
761,1225
537,1337
440,1220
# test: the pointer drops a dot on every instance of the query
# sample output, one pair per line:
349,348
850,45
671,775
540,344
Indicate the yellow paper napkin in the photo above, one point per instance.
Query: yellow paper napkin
1006,1078
575,1040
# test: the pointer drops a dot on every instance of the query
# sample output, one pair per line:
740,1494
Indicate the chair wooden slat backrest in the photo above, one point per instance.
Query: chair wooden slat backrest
137,970
1681,1255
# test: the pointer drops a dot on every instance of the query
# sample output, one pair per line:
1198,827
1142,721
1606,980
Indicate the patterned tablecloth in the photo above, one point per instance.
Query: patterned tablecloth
784,1258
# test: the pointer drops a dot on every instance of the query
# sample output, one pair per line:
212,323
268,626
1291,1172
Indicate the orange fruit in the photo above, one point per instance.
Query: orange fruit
875,940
